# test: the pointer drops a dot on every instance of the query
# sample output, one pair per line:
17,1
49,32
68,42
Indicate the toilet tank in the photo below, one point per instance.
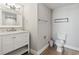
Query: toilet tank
61,36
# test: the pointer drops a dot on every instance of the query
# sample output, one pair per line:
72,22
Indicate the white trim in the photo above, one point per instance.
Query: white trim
70,47
40,51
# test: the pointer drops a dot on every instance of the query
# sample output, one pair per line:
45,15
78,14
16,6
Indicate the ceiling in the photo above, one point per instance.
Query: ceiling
57,5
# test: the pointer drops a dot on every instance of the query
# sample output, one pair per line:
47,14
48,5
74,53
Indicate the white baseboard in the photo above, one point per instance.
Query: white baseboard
40,51
70,47
33,52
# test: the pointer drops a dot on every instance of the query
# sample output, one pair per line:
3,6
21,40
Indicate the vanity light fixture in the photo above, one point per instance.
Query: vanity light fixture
13,6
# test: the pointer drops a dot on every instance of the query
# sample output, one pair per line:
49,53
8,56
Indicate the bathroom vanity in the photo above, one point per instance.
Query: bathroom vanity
14,43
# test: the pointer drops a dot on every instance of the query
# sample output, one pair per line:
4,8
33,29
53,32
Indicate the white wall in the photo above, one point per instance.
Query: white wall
32,13
44,28
71,28
30,22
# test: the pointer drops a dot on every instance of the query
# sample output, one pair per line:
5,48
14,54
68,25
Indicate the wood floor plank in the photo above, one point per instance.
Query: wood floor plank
52,51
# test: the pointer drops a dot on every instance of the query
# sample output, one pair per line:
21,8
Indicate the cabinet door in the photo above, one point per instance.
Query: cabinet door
21,40
7,44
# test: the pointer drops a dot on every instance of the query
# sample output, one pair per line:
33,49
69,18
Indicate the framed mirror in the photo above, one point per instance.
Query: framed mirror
11,15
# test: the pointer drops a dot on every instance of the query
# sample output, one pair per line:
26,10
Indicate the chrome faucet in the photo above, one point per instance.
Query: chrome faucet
12,29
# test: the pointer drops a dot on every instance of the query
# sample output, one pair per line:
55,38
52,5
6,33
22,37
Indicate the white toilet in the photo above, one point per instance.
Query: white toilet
60,41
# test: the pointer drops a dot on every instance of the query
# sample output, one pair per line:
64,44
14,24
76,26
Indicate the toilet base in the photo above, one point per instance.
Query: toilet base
59,49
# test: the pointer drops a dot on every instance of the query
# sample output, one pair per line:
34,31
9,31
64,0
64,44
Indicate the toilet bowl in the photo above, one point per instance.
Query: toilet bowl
59,44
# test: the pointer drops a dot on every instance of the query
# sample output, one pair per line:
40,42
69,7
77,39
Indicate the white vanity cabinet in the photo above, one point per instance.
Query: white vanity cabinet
15,41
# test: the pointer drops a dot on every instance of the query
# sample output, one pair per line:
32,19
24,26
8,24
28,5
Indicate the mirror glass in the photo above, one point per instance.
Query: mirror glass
9,18
10,14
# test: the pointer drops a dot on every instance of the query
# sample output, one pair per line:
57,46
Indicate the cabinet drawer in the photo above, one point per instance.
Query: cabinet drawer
21,37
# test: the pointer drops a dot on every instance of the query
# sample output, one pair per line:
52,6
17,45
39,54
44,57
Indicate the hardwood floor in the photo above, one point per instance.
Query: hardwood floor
52,51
